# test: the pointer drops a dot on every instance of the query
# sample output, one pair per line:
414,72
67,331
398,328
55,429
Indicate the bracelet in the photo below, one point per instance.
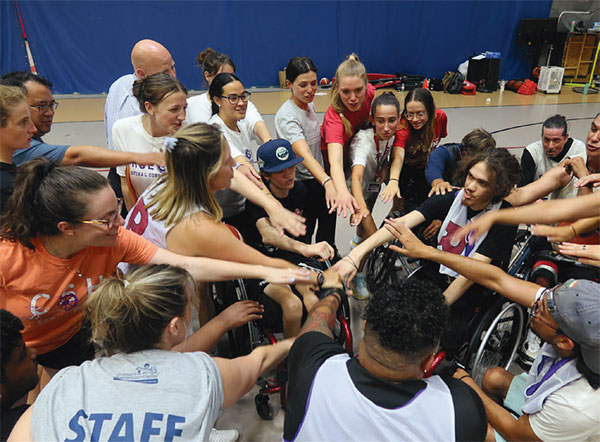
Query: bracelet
573,229
351,262
332,291
237,165
325,181
393,179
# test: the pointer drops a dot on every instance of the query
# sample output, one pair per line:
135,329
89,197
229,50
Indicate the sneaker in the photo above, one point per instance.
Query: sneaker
530,348
359,288
223,435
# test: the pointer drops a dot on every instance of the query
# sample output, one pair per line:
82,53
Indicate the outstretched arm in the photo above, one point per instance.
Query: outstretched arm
94,156
545,212
555,178
488,275
322,316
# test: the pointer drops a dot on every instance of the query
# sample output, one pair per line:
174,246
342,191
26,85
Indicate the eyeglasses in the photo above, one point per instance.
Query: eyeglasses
45,107
411,116
549,295
234,99
110,222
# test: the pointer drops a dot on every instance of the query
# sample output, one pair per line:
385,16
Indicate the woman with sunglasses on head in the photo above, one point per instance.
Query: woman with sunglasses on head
180,211
60,235
162,100
420,131
16,132
148,385
297,122
200,106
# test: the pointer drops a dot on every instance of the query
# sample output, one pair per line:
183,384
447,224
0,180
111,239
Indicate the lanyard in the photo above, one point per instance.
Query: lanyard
381,159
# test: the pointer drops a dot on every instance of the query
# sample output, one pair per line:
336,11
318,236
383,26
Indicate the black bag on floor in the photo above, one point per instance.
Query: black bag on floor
453,82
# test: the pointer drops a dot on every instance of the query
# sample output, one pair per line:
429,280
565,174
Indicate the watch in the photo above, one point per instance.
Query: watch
320,279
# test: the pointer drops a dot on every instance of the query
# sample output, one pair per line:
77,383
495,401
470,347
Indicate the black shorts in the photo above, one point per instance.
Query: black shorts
76,350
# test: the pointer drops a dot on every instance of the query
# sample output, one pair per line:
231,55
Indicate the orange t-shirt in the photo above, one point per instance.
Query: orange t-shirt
46,292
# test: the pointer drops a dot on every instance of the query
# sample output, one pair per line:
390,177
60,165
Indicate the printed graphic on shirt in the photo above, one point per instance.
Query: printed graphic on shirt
146,374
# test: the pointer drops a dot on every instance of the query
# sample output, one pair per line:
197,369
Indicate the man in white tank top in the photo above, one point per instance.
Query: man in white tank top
381,393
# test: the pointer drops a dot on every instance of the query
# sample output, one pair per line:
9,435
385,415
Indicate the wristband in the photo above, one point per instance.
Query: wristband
237,165
325,181
351,261
333,291
573,229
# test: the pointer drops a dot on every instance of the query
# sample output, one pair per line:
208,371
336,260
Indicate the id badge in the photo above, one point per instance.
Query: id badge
374,187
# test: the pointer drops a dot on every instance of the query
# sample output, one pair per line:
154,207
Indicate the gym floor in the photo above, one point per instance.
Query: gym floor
515,120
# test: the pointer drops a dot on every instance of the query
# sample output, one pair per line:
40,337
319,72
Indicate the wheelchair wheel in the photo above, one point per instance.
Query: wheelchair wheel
496,339
380,269
241,339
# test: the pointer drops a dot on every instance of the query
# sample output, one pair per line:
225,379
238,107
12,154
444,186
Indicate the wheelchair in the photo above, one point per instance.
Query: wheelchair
244,339
492,327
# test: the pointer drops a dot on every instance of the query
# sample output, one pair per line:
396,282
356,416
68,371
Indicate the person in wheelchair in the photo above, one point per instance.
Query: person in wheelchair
277,163
381,393
180,212
559,399
488,178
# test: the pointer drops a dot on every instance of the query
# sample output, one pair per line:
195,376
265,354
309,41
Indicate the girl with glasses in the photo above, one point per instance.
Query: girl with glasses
60,235
152,382
162,100
420,131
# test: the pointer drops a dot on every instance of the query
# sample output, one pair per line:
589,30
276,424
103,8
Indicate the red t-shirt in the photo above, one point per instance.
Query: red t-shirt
47,292
403,138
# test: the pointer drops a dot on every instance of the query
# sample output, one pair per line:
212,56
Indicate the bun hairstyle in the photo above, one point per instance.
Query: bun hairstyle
216,88
421,140
191,163
298,66
45,195
350,67
131,314
155,88
10,96
211,61
386,99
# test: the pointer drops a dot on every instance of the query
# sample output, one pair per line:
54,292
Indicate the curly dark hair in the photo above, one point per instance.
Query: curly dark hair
408,319
504,167
10,337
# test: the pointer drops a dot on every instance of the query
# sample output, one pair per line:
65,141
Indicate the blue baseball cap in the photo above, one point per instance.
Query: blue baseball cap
276,155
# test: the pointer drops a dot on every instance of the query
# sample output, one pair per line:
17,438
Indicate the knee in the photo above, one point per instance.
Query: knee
292,307
495,380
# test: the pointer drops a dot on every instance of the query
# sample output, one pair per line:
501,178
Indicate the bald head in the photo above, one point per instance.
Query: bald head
150,57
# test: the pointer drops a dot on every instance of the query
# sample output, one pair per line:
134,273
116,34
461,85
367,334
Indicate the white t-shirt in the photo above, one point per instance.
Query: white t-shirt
129,135
371,153
239,142
570,413
199,110
293,123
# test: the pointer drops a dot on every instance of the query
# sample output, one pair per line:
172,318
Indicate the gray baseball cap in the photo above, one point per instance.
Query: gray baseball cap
575,306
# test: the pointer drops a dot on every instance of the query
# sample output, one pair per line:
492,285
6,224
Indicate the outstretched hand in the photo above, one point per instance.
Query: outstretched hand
241,313
251,174
592,179
283,219
410,244
440,187
587,253
295,275
347,269
475,228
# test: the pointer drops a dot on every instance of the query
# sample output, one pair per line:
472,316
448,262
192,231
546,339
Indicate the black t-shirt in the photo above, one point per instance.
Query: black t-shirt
528,165
8,174
498,243
312,349
296,202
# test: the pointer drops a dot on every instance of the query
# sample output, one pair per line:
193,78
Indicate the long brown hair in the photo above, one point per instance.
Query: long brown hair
44,196
421,139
